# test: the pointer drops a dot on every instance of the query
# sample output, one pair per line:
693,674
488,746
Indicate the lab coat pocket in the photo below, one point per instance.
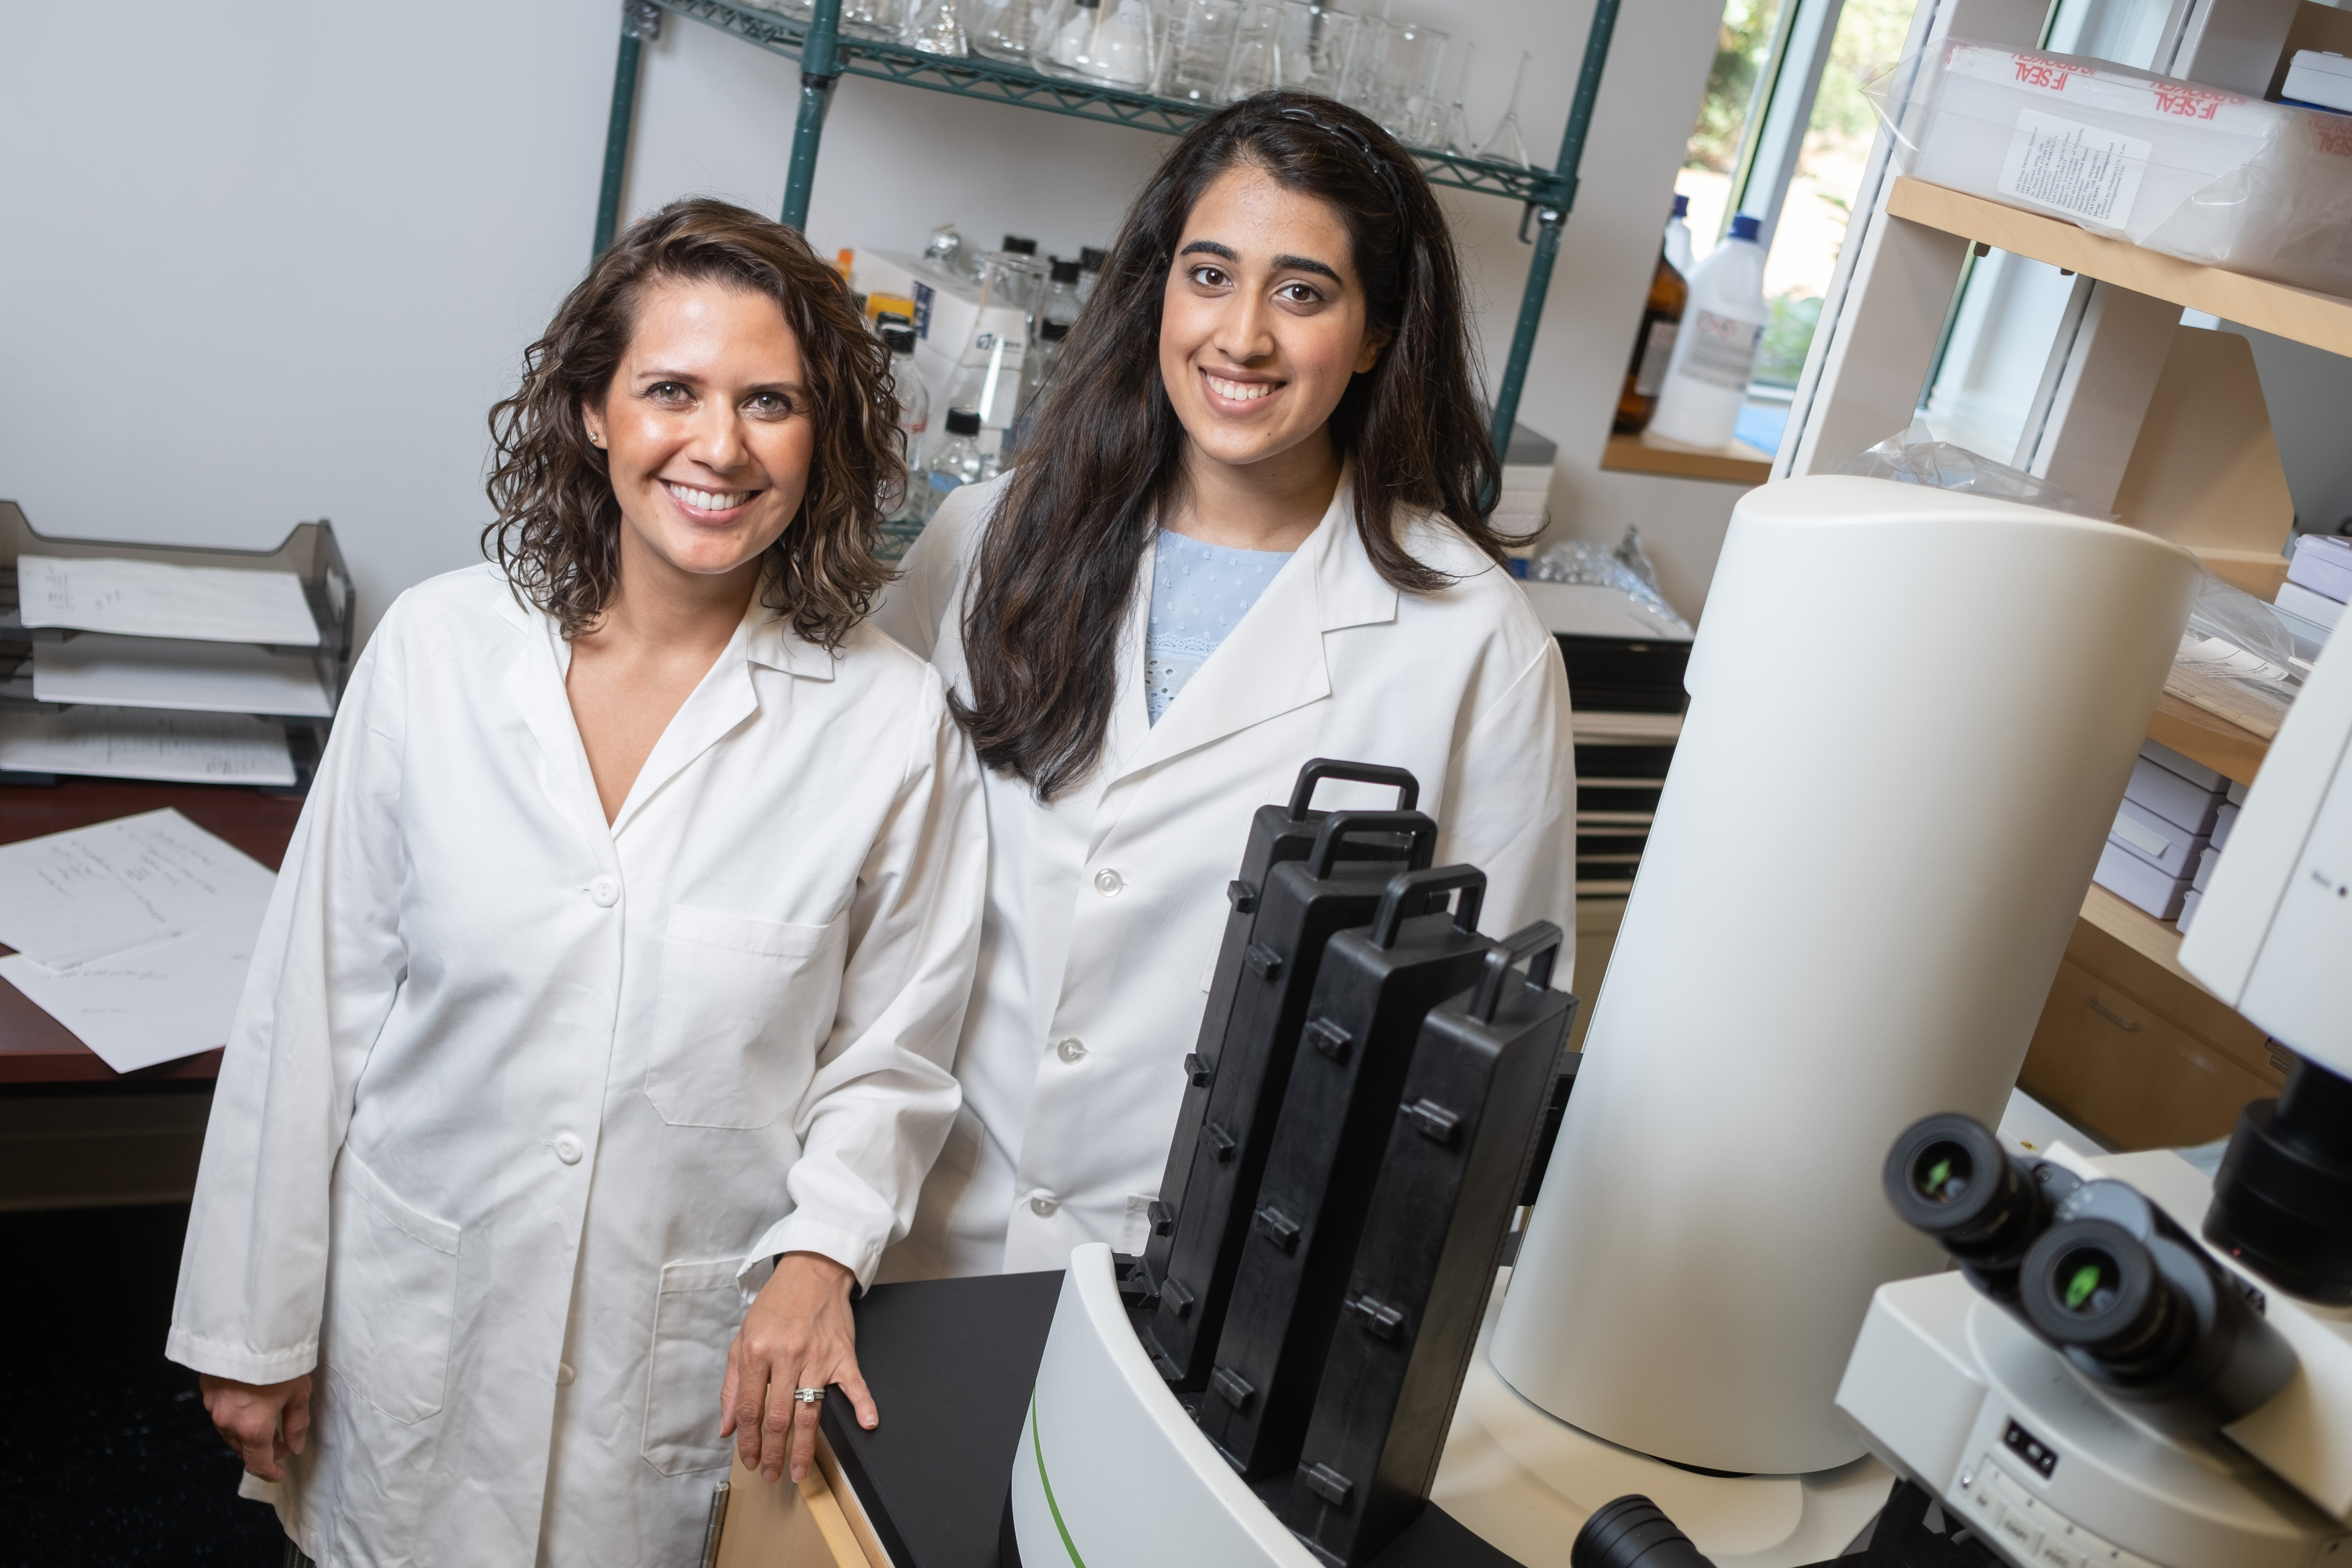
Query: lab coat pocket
744,1002
392,1295
695,1319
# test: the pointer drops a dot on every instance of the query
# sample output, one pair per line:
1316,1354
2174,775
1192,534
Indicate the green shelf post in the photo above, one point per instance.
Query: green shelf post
1550,215
640,20
820,68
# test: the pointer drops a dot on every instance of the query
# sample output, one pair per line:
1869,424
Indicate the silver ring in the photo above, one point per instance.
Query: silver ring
808,1395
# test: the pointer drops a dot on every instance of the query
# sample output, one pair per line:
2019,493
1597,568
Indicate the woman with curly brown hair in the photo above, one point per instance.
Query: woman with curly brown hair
603,1013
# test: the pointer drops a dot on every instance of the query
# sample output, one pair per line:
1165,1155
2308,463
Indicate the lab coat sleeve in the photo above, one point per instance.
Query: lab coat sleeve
930,588
326,967
1510,805
884,1094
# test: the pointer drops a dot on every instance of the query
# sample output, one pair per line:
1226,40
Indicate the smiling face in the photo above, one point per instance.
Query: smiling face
708,428
1262,321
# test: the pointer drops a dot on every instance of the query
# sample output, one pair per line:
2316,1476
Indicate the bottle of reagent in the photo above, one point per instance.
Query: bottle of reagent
1714,349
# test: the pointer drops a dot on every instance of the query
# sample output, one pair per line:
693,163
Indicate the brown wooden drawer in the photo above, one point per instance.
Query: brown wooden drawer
2106,1059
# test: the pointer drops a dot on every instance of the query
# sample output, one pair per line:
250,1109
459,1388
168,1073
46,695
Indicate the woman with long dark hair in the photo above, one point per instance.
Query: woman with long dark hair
1246,531
597,1039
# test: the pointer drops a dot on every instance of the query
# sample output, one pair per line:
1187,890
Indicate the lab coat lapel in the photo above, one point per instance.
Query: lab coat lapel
1273,660
533,683
723,698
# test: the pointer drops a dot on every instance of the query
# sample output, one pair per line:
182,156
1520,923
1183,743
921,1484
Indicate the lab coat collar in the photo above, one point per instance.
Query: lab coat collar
1272,661
721,700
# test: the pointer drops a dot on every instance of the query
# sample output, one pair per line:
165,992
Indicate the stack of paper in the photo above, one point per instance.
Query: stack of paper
132,743
155,641
135,934
154,599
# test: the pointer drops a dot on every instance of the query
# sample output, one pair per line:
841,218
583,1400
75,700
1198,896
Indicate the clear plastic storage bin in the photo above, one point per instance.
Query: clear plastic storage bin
2194,172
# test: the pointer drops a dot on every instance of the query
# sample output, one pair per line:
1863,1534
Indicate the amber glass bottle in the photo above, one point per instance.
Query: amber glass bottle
1653,346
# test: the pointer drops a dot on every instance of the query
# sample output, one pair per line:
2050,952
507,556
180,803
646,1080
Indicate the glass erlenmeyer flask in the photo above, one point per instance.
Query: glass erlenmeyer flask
1103,40
935,28
1507,142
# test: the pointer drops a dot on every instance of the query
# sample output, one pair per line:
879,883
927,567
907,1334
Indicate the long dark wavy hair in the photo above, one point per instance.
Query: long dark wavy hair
556,531
1057,566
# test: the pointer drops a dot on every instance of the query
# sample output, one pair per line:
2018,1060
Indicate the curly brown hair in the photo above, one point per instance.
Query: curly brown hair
557,532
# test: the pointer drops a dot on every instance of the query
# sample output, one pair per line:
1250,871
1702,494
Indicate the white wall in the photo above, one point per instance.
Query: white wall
274,262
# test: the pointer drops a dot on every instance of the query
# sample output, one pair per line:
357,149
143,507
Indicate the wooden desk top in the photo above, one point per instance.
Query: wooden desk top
36,1048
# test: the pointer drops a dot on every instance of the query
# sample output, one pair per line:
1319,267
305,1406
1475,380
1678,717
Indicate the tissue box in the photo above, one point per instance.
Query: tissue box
2197,172
2168,848
2139,884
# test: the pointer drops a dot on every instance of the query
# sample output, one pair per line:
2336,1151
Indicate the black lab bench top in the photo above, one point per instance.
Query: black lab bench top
950,1363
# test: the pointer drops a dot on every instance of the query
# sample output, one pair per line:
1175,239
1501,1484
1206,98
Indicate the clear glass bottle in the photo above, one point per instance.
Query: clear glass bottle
873,19
1038,368
1102,41
914,402
1061,302
935,28
958,460
1090,266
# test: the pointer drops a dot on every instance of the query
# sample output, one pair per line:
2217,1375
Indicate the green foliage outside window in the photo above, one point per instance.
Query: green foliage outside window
1740,48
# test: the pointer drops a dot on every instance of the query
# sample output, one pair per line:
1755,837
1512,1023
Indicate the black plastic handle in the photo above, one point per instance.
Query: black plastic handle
1537,944
1318,769
1411,887
1342,825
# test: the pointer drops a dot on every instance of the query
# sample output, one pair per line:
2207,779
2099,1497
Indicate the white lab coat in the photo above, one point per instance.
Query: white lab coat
517,1105
1106,909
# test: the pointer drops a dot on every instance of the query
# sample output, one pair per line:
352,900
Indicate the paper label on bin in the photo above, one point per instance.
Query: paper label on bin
2084,170
1722,350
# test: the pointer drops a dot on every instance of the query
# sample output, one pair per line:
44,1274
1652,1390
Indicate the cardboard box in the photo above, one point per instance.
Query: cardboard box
2172,761
2205,864
952,333
2221,821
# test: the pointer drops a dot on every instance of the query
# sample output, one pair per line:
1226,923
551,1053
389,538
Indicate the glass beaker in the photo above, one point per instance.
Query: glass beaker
1109,41
1196,41
1392,77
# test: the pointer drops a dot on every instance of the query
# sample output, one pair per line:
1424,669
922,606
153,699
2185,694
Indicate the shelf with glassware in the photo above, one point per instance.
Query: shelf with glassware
827,52
976,74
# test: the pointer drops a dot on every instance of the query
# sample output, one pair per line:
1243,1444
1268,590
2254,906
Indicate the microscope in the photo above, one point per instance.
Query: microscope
2130,1365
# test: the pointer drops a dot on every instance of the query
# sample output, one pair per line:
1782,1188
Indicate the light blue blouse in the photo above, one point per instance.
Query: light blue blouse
1199,593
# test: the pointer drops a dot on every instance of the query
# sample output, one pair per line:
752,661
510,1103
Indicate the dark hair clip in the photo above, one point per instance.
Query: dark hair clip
1381,166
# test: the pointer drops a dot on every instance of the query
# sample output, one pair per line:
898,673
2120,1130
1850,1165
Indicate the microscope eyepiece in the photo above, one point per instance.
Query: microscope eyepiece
2090,1285
1949,1177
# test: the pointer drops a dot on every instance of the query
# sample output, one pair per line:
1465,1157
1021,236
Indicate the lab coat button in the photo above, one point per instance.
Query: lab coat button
605,892
1108,882
1071,1050
565,1374
568,1149
1043,1208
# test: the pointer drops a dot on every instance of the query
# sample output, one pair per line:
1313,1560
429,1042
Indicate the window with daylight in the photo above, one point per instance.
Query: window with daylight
1782,135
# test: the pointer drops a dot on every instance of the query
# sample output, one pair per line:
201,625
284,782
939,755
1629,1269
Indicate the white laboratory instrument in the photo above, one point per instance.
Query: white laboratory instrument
1911,713
2055,1461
